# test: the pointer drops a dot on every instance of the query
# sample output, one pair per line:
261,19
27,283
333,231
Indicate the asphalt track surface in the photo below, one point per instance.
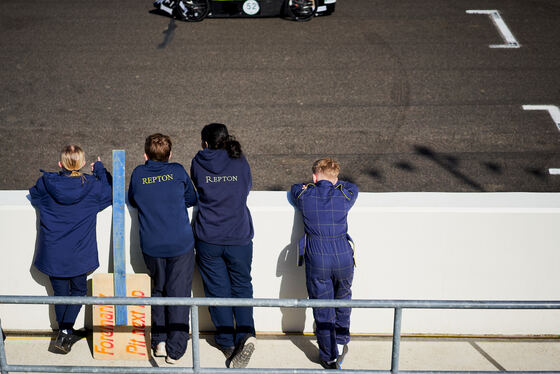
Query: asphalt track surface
406,94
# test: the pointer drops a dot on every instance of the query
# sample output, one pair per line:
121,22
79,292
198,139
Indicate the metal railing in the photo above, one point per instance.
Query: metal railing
194,303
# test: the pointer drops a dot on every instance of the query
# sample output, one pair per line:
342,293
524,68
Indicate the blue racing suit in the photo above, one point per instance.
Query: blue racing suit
329,256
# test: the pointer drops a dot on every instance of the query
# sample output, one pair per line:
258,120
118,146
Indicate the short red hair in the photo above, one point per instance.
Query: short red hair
326,166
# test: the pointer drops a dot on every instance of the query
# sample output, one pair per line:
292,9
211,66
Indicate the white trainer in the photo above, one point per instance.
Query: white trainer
243,354
160,350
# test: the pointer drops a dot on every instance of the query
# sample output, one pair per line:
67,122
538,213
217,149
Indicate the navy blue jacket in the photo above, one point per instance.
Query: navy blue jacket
162,192
223,184
68,207
324,208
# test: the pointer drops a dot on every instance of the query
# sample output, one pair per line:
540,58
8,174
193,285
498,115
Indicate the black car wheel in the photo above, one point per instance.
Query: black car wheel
192,10
301,10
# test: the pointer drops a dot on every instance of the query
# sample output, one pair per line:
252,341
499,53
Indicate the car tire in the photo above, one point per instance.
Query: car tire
301,10
193,11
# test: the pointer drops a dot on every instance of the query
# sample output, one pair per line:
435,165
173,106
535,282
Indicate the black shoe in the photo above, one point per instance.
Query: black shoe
63,341
227,351
243,352
329,365
340,357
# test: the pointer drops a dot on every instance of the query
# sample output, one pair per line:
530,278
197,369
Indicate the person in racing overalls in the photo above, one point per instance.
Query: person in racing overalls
328,253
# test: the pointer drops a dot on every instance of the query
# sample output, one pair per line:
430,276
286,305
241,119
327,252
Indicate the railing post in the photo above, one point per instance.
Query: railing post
3,362
119,273
195,339
396,341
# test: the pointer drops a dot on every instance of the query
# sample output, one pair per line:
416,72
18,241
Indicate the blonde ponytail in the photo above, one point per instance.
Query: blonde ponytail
72,159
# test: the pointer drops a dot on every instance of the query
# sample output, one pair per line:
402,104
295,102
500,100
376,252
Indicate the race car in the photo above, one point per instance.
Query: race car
197,10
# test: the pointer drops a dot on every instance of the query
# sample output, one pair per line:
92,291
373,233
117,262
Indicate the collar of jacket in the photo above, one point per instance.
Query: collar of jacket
155,163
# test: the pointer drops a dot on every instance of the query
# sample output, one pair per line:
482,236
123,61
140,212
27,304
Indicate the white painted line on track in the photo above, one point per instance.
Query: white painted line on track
552,109
500,24
554,171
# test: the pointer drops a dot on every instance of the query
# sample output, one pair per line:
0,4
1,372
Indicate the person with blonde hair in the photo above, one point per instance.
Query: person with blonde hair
68,202
328,253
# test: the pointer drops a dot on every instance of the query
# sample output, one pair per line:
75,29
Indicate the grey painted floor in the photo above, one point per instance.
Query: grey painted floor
466,354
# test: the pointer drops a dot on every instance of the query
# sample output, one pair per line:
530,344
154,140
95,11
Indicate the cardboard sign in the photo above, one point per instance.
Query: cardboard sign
127,342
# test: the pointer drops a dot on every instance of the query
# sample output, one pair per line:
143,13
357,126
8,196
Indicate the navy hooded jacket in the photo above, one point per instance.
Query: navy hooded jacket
68,207
223,184
162,192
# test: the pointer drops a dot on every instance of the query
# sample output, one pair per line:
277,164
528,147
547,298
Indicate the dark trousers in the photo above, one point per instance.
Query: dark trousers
171,276
330,277
75,286
226,272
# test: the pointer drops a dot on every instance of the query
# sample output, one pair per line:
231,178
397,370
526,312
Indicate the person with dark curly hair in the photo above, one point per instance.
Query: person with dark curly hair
224,233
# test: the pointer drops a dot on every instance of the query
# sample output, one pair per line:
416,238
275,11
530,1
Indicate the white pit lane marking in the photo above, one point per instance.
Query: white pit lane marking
555,114
504,30
552,109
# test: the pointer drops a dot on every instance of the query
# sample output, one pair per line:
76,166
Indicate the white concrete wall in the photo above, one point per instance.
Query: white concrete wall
493,246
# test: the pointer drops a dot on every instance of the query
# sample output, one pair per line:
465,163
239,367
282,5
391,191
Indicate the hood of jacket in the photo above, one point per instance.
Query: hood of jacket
66,190
213,160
